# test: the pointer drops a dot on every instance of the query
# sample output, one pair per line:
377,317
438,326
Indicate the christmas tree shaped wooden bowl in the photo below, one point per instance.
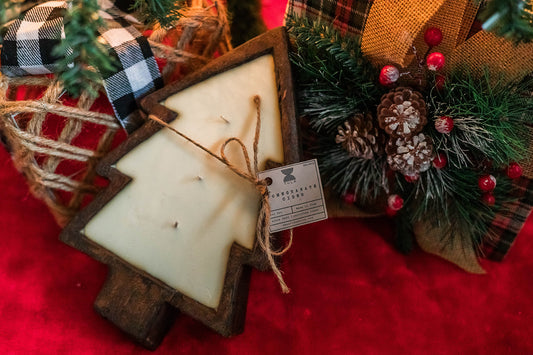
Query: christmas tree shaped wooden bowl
177,227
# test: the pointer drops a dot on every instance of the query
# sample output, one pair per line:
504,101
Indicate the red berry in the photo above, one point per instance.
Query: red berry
395,202
440,161
487,183
444,124
349,198
388,75
390,212
440,80
411,178
488,198
435,61
514,171
433,36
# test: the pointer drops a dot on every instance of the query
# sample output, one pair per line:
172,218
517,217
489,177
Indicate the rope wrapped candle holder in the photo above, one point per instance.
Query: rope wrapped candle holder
57,141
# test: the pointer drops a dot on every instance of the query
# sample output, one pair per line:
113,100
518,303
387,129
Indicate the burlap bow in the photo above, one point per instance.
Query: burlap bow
390,29
393,27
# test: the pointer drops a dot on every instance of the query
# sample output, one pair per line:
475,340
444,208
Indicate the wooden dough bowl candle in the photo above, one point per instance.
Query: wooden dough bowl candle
176,226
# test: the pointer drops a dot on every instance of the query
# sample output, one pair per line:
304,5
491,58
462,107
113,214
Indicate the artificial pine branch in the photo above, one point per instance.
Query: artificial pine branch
5,5
451,200
489,118
81,55
512,19
335,80
366,178
164,12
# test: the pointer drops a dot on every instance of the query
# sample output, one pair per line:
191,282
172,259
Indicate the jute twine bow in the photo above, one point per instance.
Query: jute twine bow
263,221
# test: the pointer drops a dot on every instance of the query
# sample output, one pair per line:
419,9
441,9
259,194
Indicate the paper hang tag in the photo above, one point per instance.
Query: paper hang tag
296,196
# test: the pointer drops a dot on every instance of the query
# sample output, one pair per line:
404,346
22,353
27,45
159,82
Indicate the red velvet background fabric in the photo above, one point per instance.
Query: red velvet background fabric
351,292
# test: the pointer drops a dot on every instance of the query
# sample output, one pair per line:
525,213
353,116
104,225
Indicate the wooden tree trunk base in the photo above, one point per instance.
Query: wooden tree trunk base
136,305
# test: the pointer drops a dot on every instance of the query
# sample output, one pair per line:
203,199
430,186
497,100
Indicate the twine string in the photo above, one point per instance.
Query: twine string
250,174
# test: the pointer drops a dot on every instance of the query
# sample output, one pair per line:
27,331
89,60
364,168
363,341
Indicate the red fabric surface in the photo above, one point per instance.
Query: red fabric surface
351,292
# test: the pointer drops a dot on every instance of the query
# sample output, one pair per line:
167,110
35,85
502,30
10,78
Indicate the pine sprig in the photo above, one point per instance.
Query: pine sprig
5,5
489,118
164,12
512,19
335,80
454,203
82,57
366,178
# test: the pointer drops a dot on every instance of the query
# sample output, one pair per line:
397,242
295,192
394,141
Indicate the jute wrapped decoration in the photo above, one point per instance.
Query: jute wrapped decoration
200,33
48,136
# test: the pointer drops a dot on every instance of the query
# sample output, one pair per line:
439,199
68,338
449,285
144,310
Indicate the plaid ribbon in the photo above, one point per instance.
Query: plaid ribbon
28,44
349,16
507,224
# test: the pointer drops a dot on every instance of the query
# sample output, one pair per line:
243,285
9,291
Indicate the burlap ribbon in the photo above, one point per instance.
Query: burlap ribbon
393,27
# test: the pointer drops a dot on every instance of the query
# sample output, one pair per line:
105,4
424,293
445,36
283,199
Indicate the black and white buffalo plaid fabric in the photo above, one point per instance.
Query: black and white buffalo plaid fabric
29,40
349,17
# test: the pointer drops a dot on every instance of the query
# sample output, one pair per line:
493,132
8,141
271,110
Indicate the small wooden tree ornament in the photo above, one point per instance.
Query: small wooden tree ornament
145,289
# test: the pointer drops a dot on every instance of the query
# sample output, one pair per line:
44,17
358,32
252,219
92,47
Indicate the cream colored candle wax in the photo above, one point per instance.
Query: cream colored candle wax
182,211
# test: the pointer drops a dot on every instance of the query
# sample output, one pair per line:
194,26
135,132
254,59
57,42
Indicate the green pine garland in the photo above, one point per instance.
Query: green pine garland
488,119
512,19
336,81
5,5
164,12
80,54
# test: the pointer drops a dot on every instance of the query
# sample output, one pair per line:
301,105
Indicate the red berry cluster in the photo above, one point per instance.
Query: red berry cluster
435,61
487,183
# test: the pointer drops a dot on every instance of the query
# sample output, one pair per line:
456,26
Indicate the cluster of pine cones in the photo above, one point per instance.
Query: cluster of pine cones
401,115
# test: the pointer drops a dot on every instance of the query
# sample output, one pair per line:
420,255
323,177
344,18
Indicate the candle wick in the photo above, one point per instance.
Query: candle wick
225,119
263,222
176,224
200,177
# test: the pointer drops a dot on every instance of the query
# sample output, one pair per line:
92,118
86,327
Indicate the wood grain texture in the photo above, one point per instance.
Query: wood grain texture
138,303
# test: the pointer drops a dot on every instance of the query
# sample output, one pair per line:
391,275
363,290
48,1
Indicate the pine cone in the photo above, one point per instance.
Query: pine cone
359,137
410,156
402,112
